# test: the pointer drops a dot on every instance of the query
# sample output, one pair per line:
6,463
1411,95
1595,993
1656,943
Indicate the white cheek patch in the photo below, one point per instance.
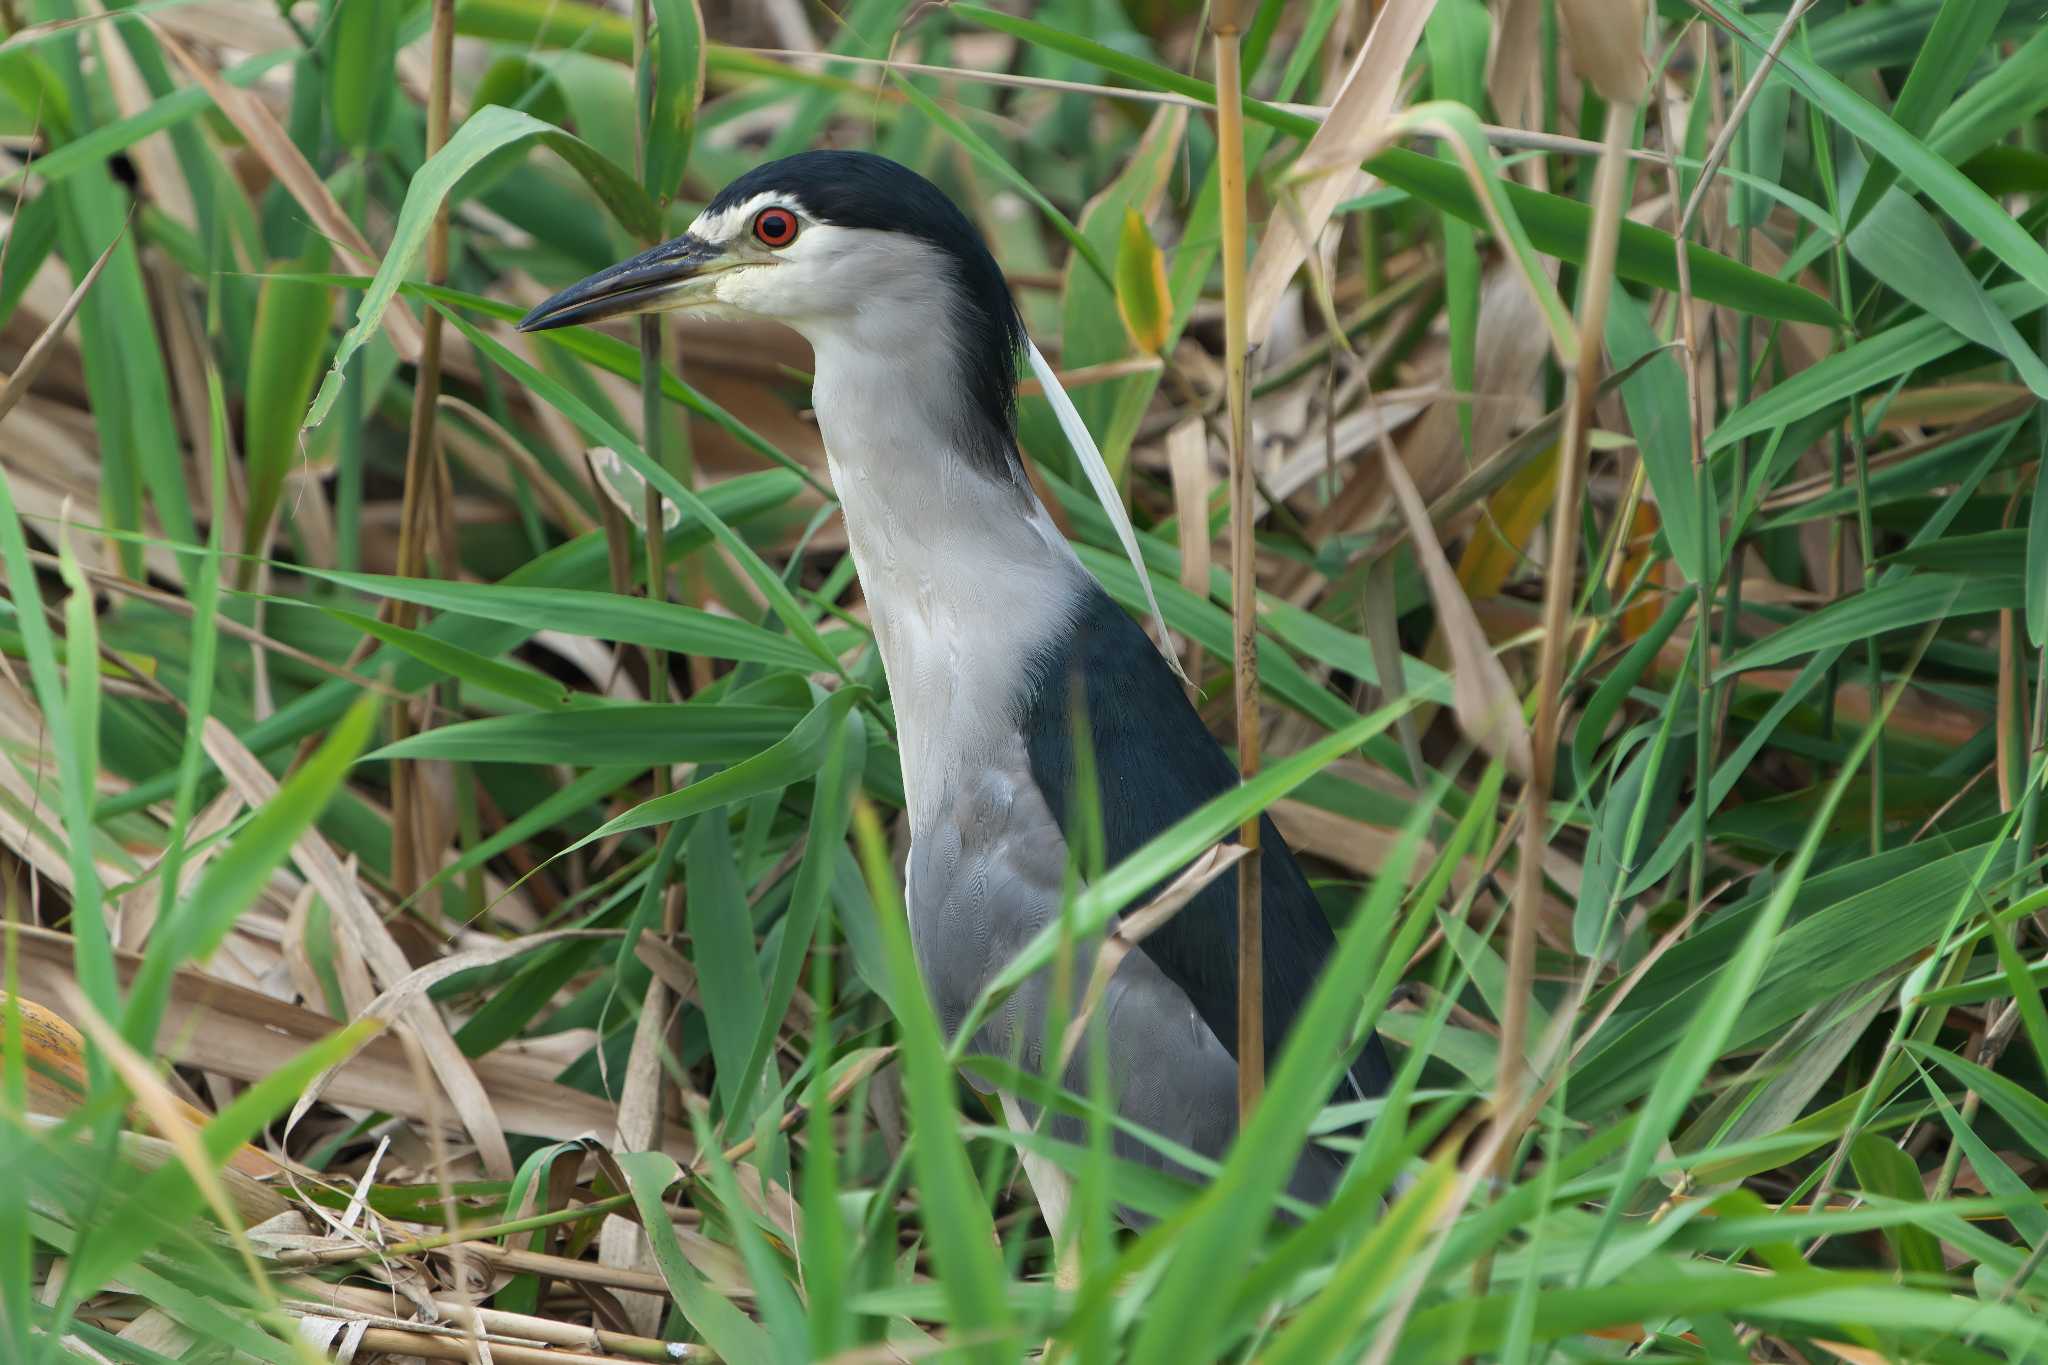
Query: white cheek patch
732,294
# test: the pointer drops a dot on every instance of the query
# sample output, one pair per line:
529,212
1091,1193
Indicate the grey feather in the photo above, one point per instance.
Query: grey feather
984,879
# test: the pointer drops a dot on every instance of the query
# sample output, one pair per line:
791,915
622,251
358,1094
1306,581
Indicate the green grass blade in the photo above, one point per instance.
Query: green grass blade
237,875
724,1327
485,131
284,360
796,757
2037,561
1893,605
1883,1169
1679,1079
785,606
1556,226
1954,45
775,1301
1901,244
825,834
523,685
678,89
1660,415
637,733
602,615
362,44
721,927
1973,210
955,1217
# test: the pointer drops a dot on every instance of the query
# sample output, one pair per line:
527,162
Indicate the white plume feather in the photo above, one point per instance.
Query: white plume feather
1083,443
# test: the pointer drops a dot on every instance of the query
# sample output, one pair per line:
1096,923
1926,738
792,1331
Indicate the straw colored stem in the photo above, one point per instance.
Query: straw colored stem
422,478
1719,151
427,1344
1251,1031
650,415
1513,1077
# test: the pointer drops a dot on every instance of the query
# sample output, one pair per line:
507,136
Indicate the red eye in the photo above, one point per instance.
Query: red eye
775,227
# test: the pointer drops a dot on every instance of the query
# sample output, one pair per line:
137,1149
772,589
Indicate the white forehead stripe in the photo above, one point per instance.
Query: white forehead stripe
730,221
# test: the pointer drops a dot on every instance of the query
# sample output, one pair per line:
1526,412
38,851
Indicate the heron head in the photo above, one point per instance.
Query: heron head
850,249
826,242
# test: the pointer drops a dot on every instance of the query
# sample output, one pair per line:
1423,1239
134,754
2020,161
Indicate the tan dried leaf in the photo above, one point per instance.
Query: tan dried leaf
367,933
244,1035
1353,126
1514,64
1487,708
1606,38
1187,458
24,377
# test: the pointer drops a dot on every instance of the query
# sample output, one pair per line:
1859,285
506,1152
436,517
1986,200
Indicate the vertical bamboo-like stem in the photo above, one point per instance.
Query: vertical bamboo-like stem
422,478
348,492
656,1000
1251,1020
1557,597
650,385
1866,537
1695,409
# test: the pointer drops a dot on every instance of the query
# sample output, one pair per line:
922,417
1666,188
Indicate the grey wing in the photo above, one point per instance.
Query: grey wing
984,879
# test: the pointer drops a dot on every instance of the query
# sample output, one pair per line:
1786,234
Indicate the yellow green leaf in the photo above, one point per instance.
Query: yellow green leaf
1142,300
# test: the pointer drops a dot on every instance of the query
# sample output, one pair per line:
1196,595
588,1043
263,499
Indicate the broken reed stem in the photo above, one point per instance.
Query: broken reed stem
458,1233
428,1344
1513,1077
422,477
498,1326
1251,1019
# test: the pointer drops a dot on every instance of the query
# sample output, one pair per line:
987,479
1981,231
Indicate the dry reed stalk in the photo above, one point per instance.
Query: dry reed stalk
409,853
1513,1078
1226,35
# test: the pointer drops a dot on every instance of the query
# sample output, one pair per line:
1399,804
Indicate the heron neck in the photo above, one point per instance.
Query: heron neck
966,577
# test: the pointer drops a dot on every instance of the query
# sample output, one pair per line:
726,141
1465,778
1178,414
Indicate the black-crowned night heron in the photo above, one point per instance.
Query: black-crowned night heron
984,616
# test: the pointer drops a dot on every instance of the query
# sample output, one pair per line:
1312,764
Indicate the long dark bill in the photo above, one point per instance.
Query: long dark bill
643,284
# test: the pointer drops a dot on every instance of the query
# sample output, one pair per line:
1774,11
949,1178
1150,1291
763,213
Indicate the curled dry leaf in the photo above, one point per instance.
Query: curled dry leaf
53,1053
171,1117
24,377
1515,82
1606,38
1486,705
213,1025
626,490
1352,129
1187,457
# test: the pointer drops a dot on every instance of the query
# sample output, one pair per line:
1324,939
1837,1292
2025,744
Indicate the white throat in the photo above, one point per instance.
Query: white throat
966,577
